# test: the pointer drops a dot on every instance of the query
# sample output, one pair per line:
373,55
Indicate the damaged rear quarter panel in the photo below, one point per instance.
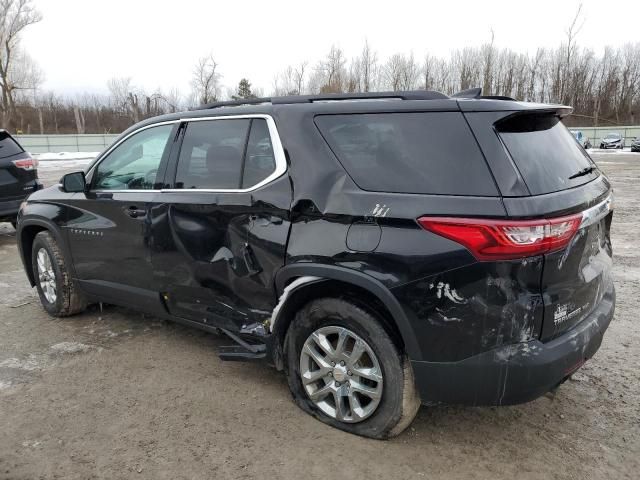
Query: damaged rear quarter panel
475,308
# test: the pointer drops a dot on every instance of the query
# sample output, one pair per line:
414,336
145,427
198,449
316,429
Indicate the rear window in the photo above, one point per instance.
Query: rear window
421,152
8,146
545,152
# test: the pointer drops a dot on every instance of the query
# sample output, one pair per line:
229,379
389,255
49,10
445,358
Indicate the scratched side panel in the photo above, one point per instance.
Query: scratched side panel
473,309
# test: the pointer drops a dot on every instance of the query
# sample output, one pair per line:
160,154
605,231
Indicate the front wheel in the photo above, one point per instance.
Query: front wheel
344,369
58,292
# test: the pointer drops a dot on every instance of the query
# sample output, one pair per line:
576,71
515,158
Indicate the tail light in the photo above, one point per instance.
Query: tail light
505,239
26,163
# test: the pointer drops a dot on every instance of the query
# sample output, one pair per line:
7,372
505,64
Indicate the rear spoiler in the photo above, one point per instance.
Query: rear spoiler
477,93
502,103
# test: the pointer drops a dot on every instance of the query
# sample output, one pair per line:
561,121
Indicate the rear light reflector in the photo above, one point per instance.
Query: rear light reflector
505,239
26,163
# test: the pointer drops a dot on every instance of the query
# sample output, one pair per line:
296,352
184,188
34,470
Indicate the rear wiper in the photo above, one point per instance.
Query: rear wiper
584,171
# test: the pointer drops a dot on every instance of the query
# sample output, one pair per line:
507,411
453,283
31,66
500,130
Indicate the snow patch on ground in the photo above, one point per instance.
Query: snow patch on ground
65,156
64,164
28,364
70,347
612,151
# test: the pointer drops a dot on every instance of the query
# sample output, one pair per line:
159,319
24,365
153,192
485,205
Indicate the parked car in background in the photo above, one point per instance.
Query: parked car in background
612,140
635,145
18,177
424,248
581,138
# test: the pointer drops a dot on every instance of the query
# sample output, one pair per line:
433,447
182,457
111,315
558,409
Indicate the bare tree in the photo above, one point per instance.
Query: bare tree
330,74
206,80
488,55
393,71
369,68
570,49
15,16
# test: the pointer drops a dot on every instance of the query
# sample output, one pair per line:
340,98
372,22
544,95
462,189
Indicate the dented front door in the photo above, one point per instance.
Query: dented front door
215,254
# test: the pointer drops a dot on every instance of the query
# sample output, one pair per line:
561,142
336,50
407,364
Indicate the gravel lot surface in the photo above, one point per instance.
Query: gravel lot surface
114,394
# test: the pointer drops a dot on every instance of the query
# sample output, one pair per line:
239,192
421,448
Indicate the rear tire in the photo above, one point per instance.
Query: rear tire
58,293
386,400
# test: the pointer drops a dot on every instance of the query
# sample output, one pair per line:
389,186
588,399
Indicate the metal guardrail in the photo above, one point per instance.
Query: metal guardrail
596,134
99,142
65,143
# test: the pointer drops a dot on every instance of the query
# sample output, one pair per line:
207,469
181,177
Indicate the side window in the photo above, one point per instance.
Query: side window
211,154
134,163
260,161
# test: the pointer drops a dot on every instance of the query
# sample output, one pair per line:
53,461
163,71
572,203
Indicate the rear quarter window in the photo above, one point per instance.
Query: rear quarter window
417,152
545,153
8,146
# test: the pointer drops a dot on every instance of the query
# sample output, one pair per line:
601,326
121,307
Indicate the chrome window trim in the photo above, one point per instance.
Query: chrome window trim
278,153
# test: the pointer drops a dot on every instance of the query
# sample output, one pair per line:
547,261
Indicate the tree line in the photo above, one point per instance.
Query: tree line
604,89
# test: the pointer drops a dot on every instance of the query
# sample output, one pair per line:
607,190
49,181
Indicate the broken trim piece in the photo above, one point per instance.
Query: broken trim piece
285,295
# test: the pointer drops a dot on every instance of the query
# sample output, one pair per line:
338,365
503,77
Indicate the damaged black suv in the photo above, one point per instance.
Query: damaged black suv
384,250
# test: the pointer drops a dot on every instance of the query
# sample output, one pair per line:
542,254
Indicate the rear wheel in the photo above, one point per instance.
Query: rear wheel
343,368
58,292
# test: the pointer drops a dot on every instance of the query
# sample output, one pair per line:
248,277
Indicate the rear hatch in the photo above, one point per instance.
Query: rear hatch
563,181
18,171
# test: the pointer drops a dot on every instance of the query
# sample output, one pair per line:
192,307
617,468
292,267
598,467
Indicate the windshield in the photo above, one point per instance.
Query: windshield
613,136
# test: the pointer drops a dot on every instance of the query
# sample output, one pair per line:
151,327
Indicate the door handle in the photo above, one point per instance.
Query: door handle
135,212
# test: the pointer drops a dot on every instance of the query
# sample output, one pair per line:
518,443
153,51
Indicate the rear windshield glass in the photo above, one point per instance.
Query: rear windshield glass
546,153
421,152
8,146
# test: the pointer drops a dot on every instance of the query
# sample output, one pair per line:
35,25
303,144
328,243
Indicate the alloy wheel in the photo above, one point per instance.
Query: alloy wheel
341,374
46,276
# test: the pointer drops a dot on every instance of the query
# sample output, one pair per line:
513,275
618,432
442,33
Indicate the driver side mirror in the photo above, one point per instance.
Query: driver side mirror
73,182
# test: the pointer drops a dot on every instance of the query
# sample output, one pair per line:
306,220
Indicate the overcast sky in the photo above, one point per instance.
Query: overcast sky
80,44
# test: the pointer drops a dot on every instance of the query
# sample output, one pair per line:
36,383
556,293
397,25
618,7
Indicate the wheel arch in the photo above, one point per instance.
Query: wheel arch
27,230
328,280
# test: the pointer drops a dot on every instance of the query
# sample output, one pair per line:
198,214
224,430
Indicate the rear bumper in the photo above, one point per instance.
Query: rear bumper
9,208
515,373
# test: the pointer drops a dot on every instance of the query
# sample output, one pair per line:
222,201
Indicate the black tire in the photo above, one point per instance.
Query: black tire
69,300
399,402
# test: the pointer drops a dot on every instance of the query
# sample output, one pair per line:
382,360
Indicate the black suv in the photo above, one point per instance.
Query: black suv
18,177
384,250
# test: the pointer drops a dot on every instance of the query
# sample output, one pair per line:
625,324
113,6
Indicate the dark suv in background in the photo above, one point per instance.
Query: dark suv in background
18,177
384,250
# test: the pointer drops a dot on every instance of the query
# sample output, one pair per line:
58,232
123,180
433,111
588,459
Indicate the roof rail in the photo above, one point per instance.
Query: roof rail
235,103
329,97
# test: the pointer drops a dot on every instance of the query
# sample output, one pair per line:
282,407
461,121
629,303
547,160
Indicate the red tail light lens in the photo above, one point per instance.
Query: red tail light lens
26,163
505,239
